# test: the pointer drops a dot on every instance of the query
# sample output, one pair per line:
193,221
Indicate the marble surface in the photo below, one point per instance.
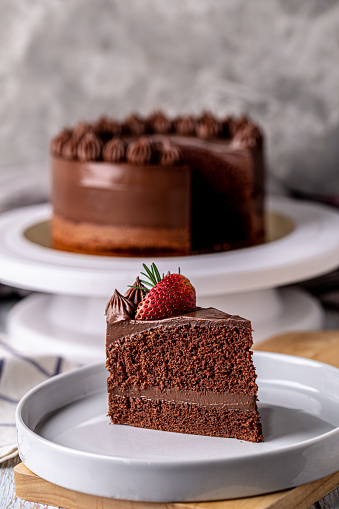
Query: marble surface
65,61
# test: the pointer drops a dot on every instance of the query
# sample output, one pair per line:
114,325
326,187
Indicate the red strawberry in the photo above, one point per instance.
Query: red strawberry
172,295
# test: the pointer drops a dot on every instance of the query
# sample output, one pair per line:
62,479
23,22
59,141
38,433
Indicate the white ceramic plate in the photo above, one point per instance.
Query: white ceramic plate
64,436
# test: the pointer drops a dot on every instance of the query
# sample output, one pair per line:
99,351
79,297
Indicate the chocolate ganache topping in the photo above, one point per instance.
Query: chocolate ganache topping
89,147
134,125
170,154
101,140
139,152
185,125
107,127
79,130
249,134
159,123
136,293
208,126
57,143
119,308
238,124
128,326
192,397
69,149
114,150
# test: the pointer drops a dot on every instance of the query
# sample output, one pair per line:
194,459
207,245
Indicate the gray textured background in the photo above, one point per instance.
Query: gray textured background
278,60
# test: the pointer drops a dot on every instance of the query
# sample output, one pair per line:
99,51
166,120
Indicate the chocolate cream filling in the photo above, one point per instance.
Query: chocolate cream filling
225,400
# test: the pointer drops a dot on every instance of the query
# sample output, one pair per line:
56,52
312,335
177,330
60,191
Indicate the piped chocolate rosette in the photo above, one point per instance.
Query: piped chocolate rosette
113,141
154,298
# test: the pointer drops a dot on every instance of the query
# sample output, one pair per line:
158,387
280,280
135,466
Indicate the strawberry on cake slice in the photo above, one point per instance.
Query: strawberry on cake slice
177,367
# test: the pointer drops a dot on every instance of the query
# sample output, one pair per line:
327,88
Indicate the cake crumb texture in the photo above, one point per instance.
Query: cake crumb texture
185,418
184,357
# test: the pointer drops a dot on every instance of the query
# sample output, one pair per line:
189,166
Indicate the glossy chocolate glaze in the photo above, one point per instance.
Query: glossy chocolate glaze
206,399
122,193
202,317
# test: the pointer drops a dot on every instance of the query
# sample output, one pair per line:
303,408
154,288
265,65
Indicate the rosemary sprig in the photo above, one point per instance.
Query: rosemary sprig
153,276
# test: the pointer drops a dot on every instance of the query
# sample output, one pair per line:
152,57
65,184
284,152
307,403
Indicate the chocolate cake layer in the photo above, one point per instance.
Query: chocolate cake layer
103,239
184,357
185,418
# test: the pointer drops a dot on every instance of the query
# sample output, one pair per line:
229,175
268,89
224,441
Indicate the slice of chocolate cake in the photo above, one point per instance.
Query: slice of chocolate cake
188,373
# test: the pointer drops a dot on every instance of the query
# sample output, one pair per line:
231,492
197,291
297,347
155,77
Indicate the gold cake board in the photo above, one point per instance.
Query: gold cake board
322,346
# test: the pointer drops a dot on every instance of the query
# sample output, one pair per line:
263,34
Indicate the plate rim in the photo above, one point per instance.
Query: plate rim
98,366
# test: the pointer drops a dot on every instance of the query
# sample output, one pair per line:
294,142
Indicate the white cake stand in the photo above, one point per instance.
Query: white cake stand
68,318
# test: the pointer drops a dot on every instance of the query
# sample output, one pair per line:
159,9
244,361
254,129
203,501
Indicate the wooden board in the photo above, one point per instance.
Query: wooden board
322,346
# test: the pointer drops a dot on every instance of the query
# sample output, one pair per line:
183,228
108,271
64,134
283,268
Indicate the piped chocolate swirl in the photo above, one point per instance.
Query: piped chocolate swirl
139,152
133,125
120,308
89,148
57,143
136,293
208,127
158,123
205,127
114,151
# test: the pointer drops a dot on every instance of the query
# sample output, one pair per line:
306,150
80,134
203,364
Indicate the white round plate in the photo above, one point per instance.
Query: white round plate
64,436
308,248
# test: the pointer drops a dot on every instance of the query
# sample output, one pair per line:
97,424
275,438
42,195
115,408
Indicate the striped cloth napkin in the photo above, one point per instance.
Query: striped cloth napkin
19,374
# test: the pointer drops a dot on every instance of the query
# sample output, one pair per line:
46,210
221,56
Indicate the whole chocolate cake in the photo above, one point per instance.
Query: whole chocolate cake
175,367
158,186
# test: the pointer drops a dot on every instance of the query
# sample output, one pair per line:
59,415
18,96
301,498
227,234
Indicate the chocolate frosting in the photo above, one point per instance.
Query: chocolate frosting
206,399
121,191
134,125
238,124
107,127
136,295
185,125
119,308
250,135
58,142
139,152
208,127
159,123
170,154
79,130
114,150
69,149
202,317
89,148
